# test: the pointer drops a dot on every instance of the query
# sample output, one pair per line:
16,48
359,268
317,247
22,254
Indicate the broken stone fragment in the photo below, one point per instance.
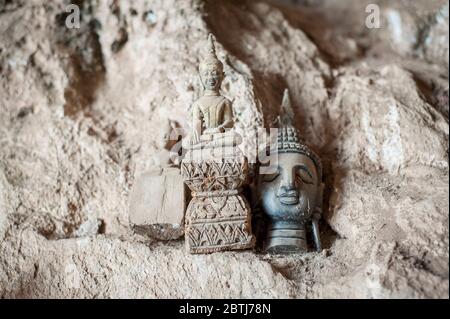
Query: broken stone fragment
157,204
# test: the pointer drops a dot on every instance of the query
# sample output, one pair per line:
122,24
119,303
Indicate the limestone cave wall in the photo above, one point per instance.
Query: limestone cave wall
84,111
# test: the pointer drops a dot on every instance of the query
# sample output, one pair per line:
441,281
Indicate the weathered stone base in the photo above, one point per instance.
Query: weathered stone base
217,224
218,217
216,236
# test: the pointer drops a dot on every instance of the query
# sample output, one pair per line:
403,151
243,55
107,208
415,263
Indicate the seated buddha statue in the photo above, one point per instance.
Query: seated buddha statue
212,113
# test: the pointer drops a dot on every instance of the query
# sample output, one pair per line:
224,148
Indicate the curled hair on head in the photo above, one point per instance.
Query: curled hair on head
289,139
208,65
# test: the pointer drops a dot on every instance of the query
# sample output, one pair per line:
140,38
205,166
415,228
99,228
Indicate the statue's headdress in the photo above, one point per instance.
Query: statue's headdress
210,59
288,137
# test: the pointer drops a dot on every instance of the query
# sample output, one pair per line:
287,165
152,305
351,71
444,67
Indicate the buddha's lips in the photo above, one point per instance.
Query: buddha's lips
289,193
288,198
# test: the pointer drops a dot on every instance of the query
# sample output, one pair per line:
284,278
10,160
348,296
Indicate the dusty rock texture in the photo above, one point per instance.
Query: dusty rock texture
85,111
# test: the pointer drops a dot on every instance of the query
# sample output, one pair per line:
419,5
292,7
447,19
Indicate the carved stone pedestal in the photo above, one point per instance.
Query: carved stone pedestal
218,216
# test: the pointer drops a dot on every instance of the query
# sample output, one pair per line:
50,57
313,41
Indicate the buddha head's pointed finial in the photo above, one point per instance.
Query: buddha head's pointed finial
286,117
211,47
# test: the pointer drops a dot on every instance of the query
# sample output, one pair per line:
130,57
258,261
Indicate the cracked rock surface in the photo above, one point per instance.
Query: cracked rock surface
84,112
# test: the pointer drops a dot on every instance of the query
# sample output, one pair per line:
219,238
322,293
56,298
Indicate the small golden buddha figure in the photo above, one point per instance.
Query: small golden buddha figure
212,113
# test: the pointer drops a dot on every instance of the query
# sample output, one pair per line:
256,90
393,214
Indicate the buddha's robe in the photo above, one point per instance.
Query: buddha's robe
213,112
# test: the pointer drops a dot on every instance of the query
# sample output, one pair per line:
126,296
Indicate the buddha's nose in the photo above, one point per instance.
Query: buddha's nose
288,188
288,195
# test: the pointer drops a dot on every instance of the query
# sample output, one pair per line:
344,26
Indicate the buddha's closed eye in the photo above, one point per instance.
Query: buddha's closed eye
304,176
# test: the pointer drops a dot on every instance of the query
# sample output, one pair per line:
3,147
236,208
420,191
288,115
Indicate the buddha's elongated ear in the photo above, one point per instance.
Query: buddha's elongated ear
319,197
200,79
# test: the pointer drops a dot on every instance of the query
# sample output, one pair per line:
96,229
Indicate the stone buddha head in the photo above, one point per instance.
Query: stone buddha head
211,69
291,193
